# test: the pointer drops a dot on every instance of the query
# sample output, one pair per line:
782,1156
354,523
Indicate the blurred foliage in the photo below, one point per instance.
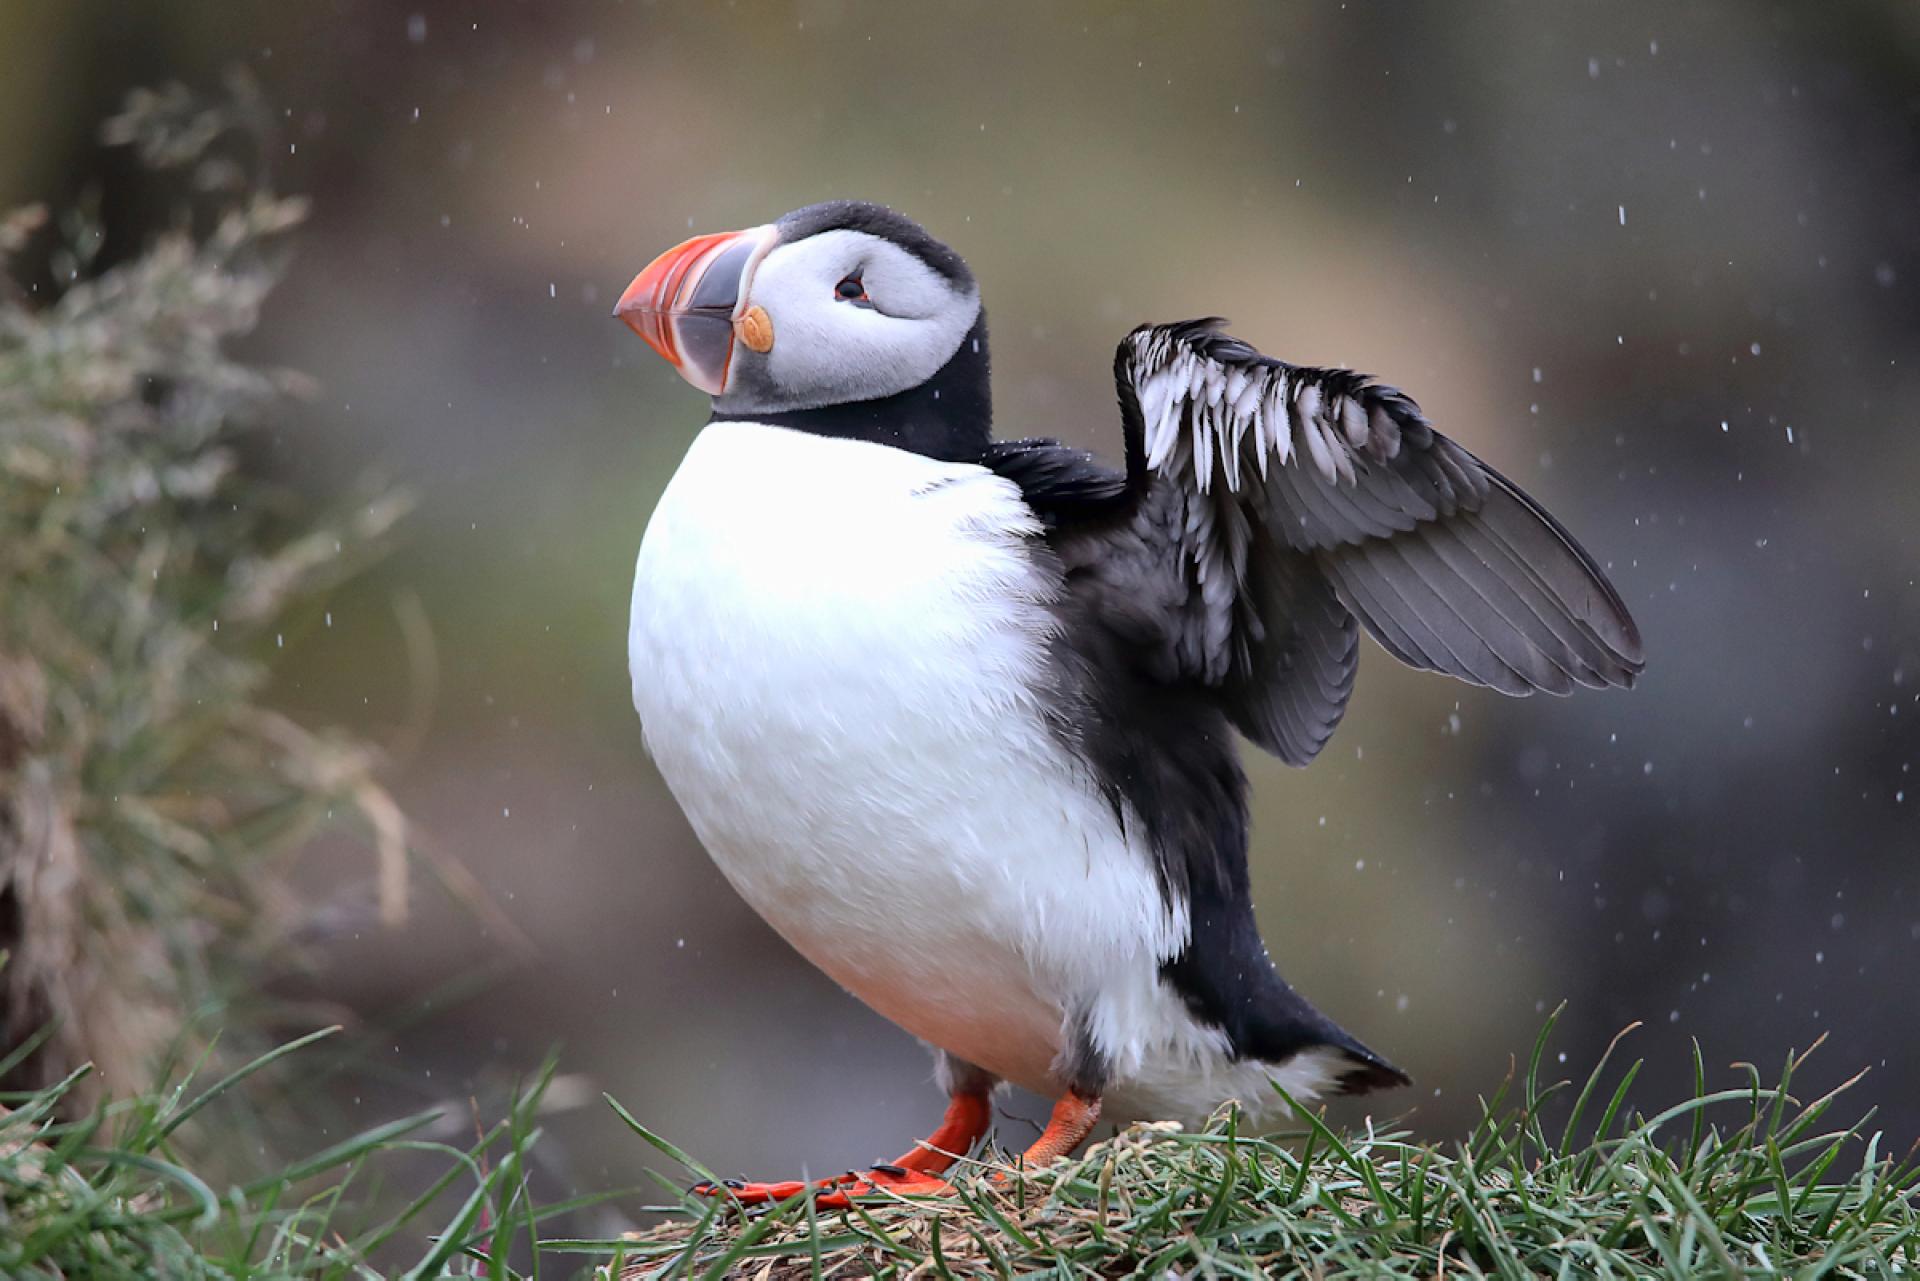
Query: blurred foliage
148,800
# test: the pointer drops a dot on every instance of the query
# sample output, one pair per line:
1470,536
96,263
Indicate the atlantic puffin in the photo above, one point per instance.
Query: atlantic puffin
958,716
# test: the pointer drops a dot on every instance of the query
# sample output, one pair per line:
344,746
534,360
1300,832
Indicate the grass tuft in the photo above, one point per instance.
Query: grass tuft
1746,1181
108,1196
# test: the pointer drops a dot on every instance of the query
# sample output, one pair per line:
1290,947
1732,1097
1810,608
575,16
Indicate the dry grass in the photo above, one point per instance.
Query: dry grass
148,799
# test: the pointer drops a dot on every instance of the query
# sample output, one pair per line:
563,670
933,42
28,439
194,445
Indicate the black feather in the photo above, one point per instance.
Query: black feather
1444,561
1064,485
876,220
949,416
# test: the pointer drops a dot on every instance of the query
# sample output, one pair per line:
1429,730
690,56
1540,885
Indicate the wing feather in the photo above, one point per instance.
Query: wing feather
1289,695
1309,498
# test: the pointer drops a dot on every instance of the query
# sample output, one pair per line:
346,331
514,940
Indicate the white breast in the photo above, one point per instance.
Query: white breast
836,651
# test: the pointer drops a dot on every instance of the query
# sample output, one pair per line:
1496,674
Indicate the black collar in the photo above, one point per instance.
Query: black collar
948,417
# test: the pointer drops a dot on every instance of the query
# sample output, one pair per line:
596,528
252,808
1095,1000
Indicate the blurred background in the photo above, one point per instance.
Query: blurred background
1659,265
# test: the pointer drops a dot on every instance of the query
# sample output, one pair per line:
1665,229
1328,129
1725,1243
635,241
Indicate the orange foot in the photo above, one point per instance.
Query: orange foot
915,1174
1074,1116
835,1193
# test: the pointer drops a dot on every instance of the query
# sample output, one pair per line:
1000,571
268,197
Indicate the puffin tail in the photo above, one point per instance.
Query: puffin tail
1229,982
1328,1059
1361,1071
1330,1064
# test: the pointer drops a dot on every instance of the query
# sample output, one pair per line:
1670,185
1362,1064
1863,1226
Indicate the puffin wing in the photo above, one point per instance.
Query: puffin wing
1297,500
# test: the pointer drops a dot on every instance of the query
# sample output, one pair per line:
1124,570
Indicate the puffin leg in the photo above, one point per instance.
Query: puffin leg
1086,1070
1075,1114
917,1173
964,1125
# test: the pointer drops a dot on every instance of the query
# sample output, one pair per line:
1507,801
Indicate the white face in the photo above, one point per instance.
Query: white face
832,343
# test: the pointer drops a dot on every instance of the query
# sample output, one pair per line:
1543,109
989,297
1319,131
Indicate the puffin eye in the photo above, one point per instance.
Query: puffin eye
850,290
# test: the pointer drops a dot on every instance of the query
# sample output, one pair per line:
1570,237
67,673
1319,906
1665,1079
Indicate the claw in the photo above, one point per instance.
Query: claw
836,1193
895,1180
915,1174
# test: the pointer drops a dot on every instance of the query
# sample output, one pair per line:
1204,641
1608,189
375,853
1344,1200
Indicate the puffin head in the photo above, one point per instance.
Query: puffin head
844,317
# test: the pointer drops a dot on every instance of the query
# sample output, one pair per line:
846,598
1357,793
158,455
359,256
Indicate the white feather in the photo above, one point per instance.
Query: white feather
1246,400
1166,428
1236,382
1212,381
1307,413
1353,418
1386,434
1203,425
1230,446
1274,412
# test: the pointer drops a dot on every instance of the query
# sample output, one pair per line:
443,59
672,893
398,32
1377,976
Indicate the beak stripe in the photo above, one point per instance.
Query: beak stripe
685,304
655,294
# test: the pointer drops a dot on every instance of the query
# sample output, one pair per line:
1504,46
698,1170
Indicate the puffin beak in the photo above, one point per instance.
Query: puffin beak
692,302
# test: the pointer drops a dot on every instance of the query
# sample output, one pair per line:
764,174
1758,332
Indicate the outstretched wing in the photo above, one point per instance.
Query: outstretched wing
1297,500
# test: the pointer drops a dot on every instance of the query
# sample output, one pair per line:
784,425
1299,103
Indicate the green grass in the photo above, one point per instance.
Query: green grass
110,1196
1746,1181
1740,1181
1728,1182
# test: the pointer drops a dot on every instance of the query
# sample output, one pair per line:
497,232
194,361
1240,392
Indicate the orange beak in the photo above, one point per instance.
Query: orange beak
684,304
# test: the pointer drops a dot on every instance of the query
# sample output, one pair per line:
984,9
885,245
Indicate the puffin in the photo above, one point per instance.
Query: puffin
959,716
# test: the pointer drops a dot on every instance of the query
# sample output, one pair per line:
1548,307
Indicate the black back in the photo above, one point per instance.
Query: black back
1163,751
